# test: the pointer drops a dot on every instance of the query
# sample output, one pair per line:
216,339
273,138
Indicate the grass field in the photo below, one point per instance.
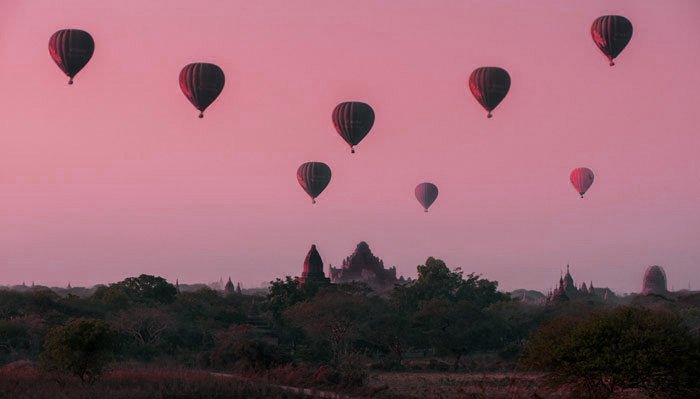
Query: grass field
23,380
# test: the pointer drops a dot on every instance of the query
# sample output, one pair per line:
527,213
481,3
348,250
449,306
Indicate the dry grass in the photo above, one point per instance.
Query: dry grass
463,385
498,385
23,381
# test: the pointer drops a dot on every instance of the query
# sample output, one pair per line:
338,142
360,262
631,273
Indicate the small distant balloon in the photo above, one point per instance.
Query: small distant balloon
489,85
581,179
426,194
71,49
353,120
314,177
611,33
201,83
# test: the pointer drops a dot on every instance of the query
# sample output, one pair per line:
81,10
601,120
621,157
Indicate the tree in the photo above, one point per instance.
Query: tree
145,327
457,328
146,288
332,316
436,281
611,351
285,293
112,297
448,311
83,347
238,345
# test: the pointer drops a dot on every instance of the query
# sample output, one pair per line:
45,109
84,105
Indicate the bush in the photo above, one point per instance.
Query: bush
83,347
613,351
238,347
352,370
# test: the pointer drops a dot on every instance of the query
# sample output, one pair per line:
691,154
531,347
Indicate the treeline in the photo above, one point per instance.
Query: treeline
444,320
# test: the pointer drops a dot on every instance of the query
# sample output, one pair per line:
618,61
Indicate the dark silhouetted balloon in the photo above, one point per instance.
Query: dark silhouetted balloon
353,120
611,33
426,193
201,83
71,49
314,178
582,179
489,85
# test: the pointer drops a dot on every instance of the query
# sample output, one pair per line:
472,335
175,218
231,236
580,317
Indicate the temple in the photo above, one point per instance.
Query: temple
654,282
229,289
363,266
313,269
567,290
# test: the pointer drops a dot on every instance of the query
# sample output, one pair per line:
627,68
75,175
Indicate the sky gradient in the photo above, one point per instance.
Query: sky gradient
116,176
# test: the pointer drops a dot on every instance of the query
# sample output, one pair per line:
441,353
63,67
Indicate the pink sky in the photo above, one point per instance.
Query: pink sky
116,176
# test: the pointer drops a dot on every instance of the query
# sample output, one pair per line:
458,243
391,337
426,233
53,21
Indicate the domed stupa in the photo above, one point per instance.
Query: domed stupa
654,281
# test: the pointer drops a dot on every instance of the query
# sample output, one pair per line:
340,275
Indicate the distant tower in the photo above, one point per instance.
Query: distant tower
654,281
569,281
177,286
238,288
229,289
584,289
313,268
68,287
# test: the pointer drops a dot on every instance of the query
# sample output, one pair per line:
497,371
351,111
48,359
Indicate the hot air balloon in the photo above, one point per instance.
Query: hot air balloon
426,193
314,177
489,85
201,83
353,120
582,179
611,33
71,49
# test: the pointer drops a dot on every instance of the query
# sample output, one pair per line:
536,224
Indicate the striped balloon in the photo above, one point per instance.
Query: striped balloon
611,33
426,194
489,85
314,177
201,83
353,120
582,179
71,49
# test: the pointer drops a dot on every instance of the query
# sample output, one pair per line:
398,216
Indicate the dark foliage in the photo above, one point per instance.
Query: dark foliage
82,347
612,351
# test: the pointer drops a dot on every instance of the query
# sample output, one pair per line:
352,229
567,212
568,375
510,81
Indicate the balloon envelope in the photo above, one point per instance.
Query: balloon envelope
611,33
489,85
314,177
71,49
201,83
353,120
426,193
581,179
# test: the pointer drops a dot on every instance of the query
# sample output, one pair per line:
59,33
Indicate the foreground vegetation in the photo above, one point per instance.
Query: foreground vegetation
347,338
24,381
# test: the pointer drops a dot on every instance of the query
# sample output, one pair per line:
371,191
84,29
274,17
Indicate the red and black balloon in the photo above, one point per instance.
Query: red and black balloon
426,194
489,85
71,49
581,179
201,83
611,33
353,120
314,177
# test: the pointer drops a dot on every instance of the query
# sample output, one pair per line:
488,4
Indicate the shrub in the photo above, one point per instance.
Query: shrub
352,370
238,347
626,348
83,347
